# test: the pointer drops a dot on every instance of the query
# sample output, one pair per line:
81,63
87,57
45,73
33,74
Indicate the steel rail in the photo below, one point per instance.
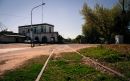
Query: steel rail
44,66
99,64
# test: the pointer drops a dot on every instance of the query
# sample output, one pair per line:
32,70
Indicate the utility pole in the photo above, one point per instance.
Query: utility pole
121,22
123,6
31,29
42,11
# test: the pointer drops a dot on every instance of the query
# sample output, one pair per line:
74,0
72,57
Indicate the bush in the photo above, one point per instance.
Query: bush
112,58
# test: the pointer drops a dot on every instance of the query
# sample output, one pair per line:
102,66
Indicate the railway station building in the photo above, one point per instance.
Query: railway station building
43,33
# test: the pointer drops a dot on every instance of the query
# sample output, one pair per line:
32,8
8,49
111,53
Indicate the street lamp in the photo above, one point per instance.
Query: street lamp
123,5
31,29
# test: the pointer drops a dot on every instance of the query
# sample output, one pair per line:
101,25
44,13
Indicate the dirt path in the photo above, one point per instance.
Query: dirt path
13,45
11,58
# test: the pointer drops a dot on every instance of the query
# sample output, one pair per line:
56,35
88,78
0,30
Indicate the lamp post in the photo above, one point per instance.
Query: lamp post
31,29
119,38
123,5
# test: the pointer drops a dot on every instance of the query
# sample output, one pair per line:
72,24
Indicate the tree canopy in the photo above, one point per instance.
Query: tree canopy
101,22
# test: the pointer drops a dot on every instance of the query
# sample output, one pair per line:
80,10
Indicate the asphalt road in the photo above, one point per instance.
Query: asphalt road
11,58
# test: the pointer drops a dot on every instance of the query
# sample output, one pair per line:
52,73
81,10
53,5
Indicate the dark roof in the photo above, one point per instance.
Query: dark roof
37,25
14,35
11,35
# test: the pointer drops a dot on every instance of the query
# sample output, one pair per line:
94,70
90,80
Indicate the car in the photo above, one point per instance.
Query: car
27,41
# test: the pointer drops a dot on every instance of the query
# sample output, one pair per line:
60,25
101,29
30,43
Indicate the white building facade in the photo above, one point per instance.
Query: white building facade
43,33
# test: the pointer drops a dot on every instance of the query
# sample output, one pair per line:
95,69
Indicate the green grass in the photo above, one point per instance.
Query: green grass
102,54
70,56
69,67
73,70
123,67
28,72
113,58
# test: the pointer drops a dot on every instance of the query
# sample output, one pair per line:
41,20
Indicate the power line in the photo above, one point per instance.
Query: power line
42,11
2,27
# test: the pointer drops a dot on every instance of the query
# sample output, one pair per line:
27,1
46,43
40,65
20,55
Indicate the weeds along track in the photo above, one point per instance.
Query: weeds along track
98,66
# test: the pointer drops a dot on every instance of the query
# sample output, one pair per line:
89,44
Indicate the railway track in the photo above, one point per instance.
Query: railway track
86,60
99,66
45,65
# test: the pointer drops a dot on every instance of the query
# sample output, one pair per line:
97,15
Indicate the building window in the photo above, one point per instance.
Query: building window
41,29
23,32
28,30
35,31
44,29
49,29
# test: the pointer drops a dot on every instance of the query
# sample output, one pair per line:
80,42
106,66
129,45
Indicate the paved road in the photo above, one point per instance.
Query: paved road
11,58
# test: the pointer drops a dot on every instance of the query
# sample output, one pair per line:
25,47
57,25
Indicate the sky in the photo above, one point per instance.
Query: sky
63,14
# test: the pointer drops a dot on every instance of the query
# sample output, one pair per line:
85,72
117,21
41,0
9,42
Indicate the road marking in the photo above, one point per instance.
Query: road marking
43,68
105,67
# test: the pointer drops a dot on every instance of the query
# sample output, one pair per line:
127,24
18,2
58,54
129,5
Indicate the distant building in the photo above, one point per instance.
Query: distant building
10,37
43,33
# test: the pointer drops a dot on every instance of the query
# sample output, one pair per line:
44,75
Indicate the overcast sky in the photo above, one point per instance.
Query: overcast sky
64,14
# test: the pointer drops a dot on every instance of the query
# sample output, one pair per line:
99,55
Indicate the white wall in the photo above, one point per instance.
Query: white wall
49,32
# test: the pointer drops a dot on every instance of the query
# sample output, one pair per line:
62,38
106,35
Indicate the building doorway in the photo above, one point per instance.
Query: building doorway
44,39
36,40
52,40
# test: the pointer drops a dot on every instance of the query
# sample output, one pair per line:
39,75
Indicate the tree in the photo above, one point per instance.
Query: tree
68,40
89,29
105,21
79,39
99,22
60,39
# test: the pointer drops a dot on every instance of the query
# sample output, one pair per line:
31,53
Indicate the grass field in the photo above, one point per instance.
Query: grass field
69,66
115,56
28,72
